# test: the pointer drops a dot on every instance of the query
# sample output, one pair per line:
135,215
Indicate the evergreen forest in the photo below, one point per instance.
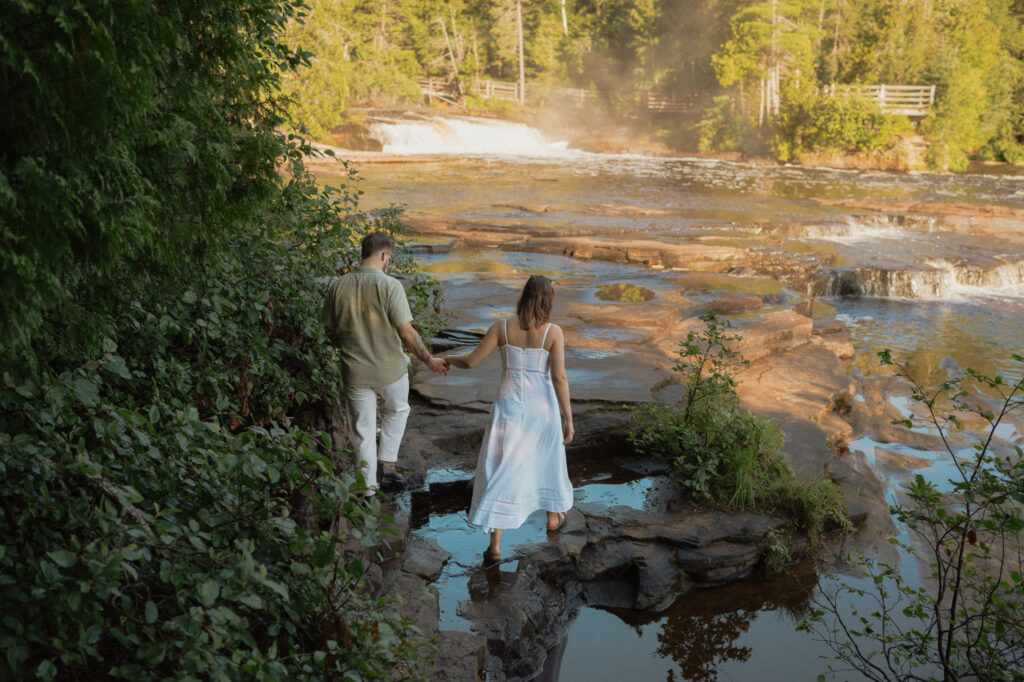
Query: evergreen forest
757,72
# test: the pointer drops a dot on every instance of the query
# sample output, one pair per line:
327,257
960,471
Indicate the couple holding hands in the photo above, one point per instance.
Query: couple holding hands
521,466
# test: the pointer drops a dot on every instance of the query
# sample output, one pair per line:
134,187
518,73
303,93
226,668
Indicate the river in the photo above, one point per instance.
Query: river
943,289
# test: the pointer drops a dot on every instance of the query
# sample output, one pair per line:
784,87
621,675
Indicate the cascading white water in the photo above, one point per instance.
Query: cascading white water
940,280
461,136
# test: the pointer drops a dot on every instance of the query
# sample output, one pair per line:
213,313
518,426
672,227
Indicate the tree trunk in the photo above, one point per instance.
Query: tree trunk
522,60
565,22
451,55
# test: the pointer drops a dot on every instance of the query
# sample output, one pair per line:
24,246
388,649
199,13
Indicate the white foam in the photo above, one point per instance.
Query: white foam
462,136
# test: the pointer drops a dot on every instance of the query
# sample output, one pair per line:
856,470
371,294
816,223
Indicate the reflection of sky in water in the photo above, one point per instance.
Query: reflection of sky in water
611,334
972,334
632,494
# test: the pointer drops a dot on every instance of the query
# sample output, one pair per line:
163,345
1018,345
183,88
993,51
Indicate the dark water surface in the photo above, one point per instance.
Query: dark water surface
744,631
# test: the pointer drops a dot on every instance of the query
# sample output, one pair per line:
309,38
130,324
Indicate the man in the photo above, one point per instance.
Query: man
366,313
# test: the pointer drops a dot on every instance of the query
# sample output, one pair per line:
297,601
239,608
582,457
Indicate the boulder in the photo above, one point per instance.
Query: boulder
424,558
718,563
461,657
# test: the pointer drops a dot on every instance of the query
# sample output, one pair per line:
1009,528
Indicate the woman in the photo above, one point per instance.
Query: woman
521,467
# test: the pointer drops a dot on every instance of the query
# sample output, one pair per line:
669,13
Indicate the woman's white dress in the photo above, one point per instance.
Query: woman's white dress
521,467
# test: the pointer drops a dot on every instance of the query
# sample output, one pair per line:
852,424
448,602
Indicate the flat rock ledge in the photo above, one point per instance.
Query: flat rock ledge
617,558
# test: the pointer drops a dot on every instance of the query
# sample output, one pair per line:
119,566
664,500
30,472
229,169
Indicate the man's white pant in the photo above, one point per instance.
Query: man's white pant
361,413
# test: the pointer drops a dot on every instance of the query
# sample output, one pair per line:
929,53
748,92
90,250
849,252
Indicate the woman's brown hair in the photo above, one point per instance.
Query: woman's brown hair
534,305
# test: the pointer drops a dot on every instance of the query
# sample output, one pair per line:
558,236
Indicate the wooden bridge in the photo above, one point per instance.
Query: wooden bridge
905,100
447,91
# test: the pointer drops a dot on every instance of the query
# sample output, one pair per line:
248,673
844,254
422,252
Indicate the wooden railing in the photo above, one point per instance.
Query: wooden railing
906,100
667,103
446,90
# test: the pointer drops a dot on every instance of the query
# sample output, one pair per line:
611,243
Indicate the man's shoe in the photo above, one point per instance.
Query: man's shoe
391,478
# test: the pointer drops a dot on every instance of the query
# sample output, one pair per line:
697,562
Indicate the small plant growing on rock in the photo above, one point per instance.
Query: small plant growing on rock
723,454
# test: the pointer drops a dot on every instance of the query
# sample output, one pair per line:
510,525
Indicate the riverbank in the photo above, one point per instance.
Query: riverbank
583,131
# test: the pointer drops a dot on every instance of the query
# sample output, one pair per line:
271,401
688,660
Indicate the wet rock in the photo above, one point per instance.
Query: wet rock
692,256
527,208
772,334
727,303
718,563
461,658
424,558
895,462
628,210
864,492
430,247
419,602
356,137
610,558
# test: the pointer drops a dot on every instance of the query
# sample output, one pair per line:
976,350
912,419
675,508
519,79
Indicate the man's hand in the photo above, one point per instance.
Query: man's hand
439,365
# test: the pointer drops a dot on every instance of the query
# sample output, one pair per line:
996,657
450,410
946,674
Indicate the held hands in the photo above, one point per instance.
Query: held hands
439,365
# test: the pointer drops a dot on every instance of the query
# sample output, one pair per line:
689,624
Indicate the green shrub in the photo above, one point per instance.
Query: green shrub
818,122
723,454
725,129
162,514
157,497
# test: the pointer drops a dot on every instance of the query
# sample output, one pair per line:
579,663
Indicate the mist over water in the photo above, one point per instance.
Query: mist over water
447,135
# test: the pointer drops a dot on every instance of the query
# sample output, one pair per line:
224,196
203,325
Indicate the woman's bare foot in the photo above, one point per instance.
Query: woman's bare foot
556,520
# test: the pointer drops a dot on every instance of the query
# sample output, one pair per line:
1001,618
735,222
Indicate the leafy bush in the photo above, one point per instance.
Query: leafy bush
153,495
723,454
818,122
723,129
162,512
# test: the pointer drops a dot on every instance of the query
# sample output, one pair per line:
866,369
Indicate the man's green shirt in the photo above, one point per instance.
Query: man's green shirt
364,307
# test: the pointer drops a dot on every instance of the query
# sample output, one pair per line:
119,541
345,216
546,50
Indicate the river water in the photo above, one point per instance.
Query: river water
957,302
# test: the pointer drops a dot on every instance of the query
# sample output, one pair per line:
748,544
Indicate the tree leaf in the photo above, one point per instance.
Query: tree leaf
86,391
62,558
208,593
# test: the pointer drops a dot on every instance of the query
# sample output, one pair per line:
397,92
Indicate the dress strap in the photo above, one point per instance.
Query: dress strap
505,322
545,337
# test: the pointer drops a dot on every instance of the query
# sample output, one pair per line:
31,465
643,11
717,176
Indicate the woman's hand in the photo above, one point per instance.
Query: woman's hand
567,432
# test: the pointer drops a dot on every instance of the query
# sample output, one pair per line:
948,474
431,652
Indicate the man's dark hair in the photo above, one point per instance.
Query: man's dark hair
375,242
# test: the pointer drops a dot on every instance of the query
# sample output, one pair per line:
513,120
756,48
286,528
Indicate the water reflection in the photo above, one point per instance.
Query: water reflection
936,336
707,628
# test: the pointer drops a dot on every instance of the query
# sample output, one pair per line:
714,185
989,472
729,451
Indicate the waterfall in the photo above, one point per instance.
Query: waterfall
411,134
939,279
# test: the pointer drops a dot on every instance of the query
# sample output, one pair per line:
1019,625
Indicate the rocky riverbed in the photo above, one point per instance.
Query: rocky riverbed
638,249
638,558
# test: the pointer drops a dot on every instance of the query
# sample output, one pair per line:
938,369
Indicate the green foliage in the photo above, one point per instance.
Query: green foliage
970,51
965,621
358,51
723,454
153,495
136,133
810,121
776,553
725,129
167,507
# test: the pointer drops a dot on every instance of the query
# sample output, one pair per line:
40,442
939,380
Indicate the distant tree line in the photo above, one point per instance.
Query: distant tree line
769,59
